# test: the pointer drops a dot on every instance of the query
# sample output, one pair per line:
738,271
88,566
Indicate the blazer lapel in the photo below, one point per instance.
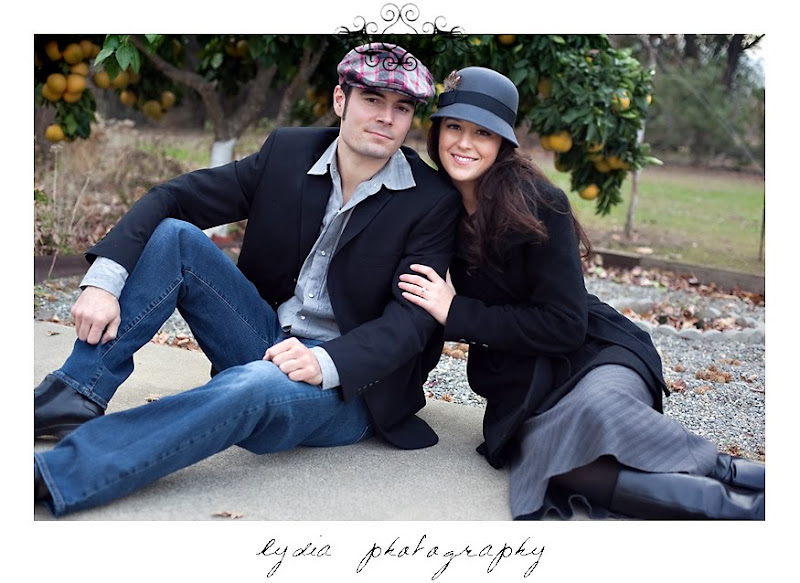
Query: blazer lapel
315,192
363,213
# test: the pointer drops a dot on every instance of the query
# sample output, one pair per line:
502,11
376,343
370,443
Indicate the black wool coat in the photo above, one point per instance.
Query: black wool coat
534,331
388,345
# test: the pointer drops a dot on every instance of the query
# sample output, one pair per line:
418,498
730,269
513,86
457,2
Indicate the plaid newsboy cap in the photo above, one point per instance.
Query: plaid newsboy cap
386,66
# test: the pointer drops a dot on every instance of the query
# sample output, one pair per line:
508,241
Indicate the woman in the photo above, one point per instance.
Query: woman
573,388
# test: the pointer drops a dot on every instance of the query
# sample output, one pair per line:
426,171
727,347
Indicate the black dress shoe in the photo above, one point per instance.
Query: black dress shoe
738,471
58,409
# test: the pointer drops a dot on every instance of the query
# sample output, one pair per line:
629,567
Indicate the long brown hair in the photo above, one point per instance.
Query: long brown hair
508,199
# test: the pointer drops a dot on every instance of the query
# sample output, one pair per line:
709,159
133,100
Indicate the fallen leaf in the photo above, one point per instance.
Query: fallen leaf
678,386
228,514
53,333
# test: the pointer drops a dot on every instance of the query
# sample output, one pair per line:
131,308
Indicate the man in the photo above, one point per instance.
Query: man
313,342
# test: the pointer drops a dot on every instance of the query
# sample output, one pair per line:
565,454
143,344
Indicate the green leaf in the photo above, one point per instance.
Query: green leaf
216,60
70,124
104,53
112,41
518,76
126,55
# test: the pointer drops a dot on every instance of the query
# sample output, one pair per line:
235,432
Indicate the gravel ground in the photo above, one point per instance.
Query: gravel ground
715,372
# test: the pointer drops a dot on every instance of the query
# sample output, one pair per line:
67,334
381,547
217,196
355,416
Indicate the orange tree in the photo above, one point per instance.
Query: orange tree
585,99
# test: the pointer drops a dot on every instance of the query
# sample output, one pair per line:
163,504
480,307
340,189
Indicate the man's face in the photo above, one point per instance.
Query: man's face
376,122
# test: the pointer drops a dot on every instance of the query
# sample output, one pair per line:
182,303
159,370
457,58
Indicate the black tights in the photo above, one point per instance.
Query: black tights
596,480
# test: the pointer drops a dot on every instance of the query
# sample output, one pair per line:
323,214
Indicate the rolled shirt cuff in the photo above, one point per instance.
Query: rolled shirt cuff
106,274
330,374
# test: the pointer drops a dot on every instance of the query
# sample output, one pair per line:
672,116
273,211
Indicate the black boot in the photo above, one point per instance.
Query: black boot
58,409
673,496
739,472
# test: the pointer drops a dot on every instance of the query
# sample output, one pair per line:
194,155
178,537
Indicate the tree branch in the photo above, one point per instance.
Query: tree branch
308,64
206,89
257,96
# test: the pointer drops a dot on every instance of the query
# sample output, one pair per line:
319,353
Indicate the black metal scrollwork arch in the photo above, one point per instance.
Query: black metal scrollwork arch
402,20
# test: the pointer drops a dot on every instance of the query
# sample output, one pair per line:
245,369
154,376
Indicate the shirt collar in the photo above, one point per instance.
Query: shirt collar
395,175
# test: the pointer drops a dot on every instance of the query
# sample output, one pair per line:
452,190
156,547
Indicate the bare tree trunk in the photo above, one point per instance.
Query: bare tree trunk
651,63
690,46
734,53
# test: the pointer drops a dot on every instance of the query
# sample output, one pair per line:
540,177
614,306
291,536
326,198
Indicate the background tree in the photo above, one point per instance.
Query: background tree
710,107
584,98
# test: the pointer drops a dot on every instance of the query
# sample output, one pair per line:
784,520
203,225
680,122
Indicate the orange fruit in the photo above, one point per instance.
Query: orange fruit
49,94
81,68
76,83
51,48
72,97
87,48
589,192
73,54
121,80
543,87
102,80
616,163
649,99
128,97
133,77
561,142
242,48
506,39
620,101
595,147
167,99
545,142
230,47
602,166
54,133
57,83
152,109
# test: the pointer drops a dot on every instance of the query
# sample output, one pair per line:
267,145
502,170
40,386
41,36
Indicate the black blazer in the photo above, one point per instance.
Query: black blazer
388,345
534,331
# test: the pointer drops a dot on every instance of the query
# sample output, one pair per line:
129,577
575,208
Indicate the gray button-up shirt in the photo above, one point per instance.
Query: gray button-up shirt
308,313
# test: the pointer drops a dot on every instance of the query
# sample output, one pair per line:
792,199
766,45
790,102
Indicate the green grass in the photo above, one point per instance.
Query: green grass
683,214
686,215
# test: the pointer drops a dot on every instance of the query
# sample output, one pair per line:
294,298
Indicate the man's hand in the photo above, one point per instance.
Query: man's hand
295,360
96,315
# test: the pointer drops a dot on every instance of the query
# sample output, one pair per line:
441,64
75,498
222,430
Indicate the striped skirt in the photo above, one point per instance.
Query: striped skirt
609,412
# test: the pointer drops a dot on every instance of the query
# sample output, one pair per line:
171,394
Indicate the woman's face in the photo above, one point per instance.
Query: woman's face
466,150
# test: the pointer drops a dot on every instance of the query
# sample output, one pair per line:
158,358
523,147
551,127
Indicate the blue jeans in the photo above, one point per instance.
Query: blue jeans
250,403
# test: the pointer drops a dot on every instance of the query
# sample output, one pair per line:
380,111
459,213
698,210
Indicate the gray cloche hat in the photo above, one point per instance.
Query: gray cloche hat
483,97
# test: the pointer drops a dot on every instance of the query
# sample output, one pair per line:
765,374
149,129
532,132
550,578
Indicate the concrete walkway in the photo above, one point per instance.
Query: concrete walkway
366,481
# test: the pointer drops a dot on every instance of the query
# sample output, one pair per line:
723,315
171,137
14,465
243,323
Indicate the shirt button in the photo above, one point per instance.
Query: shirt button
311,295
323,253
302,317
